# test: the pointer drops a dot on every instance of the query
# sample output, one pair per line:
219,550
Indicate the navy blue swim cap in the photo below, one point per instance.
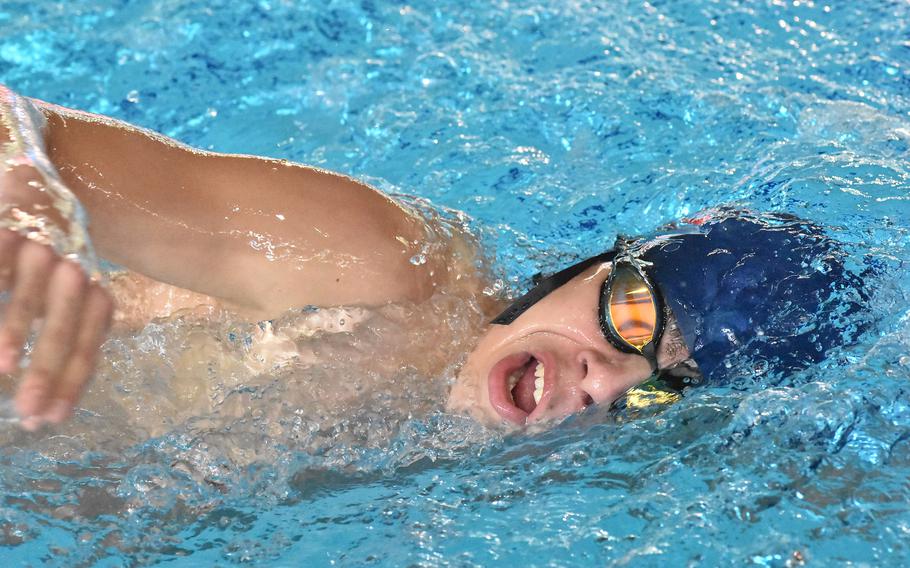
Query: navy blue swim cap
755,291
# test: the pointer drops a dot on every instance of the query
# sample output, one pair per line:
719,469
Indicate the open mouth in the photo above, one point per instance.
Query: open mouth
517,385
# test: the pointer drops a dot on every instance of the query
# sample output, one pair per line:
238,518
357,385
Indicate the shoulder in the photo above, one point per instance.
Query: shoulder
444,253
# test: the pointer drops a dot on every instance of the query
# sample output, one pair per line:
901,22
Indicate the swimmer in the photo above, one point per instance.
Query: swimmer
257,237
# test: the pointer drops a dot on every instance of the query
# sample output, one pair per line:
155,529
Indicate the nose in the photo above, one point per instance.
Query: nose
606,378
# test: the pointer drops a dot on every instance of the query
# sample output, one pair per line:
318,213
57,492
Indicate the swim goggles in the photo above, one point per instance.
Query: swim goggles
631,309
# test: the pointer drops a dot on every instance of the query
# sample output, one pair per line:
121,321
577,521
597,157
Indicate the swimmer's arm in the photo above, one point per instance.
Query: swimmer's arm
49,295
262,234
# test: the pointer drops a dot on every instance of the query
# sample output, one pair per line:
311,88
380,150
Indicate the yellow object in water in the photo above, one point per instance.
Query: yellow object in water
647,395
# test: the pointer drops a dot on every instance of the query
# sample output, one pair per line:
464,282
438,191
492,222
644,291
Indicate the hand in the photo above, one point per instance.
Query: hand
71,313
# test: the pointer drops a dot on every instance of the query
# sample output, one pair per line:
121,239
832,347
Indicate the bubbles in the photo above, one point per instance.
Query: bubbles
198,410
555,126
495,288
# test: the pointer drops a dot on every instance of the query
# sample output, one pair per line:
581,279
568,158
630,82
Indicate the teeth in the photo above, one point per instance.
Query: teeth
513,379
538,382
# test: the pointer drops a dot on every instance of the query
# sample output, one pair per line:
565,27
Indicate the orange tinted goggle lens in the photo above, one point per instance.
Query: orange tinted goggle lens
633,308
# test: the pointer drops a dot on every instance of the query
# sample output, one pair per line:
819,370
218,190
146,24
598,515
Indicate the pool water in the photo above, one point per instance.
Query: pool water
554,126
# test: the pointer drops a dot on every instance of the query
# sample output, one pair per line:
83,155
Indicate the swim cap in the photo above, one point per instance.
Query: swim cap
755,291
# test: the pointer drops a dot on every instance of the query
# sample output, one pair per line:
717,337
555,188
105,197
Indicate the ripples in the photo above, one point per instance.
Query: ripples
556,126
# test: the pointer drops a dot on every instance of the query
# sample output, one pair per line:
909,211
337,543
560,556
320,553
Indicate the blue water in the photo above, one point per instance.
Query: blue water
554,125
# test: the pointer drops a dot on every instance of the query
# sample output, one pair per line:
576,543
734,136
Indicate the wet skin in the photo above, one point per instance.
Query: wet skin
563,333
190,225
259,235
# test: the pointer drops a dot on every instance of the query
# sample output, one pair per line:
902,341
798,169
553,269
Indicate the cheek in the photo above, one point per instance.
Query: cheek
469,393
460,401
581,324
465,392
466,397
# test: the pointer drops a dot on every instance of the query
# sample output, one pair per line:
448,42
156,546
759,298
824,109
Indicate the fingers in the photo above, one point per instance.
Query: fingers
65,298
95,323
32,268
76,316
9,247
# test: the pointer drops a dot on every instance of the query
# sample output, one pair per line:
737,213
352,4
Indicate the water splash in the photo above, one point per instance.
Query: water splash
556,126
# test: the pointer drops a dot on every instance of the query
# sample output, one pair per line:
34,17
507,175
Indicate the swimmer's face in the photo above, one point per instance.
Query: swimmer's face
559,338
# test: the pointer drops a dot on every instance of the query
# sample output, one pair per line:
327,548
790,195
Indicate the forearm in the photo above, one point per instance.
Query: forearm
261,233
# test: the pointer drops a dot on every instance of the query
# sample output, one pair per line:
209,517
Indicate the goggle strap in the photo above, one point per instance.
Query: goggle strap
548,285
649,352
